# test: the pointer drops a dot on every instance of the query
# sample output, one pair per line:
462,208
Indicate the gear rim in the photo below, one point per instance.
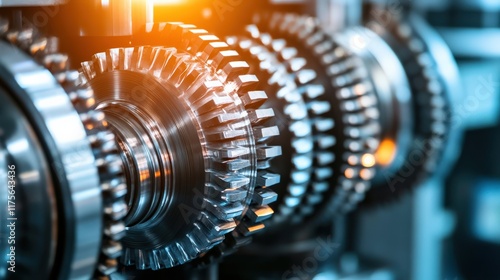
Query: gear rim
306,32
424,59
91,145
269,54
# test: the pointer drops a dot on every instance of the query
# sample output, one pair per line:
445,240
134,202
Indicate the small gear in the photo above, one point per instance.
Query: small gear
194,138
105,160
354,112
431,89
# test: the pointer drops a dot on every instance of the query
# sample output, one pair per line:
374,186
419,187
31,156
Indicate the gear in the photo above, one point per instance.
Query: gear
432,91
194,139
86,163
354,113
287,79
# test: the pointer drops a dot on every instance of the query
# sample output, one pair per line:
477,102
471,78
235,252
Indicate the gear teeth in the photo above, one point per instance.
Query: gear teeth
230,181
353,96
263,133
225,211
254,99
267,179
225,102
228,195
264,196
248,229
212,49
260,213
284,67
219,229
46,51
433,112
260,115
229,165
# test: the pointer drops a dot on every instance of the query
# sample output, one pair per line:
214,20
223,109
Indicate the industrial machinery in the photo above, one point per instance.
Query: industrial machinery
234,139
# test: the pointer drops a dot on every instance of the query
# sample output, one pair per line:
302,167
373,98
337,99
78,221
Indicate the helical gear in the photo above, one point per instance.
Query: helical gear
433,113
284,71
201,80
354,111
45,51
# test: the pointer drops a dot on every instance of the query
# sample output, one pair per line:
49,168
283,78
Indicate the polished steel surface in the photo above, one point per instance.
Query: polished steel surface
350,129
112,17
33,177
193,142
63,132
449,77
297,118
393,92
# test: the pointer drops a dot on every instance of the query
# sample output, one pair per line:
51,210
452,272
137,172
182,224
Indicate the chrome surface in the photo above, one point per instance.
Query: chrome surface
68,141
392,89
193,141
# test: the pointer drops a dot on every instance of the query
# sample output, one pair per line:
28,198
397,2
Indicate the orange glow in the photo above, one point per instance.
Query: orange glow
167,2
349,173
386,152
368,160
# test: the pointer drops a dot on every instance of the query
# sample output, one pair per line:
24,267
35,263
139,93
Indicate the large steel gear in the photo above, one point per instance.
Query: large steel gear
355,127
193,139
71,206
286,80
432,75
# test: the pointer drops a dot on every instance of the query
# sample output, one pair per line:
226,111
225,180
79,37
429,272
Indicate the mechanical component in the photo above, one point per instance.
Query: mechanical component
133,16
355,126
193,140
307,164
394,99
68,183
432,76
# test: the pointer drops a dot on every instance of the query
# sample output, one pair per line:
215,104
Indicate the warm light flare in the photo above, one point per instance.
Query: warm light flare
386,152
349,173
167,2
368,160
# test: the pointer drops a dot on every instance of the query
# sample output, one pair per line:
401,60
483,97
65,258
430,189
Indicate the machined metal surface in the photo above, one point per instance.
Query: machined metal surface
64,132
355,127
393,94
197,171
303,122
432,76
72,158
111,17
